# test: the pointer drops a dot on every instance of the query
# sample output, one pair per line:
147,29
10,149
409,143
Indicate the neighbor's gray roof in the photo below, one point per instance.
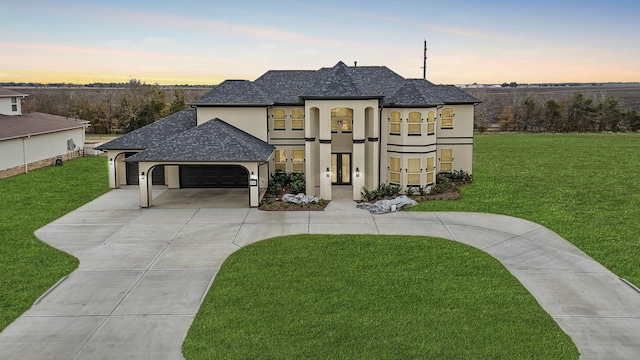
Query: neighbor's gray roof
213,141
10,93
235,93
35,123
290,87
153,133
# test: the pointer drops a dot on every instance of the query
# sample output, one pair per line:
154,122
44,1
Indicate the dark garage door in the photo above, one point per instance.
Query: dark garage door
213,176
132,174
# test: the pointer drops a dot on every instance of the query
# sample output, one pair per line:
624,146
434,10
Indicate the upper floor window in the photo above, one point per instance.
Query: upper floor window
14,103
431,118
415,123
342,119
279,119
395,123
297,119
447,118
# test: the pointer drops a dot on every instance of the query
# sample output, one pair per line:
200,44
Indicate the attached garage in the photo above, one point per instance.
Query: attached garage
132,173
211,155
213,176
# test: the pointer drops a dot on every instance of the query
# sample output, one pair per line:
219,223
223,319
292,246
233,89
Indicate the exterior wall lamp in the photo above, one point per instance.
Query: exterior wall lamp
328,172
142,176
253,176
357,172
110,161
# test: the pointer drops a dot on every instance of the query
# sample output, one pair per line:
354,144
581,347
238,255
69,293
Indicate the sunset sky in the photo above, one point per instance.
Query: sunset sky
205,42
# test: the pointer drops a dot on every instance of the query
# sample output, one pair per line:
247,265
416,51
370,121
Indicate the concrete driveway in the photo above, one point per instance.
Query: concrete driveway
144,272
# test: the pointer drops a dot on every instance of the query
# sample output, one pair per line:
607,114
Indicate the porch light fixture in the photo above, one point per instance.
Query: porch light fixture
357,172
328,173
253,176
110,161
142,176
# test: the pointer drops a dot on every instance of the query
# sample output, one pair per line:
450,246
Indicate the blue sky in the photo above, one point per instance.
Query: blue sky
205,42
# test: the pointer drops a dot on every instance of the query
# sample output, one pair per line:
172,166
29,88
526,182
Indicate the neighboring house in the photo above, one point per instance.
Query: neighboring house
352,126
34,140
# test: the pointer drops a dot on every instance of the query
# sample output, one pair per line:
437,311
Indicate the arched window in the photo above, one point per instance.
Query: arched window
278,119
415,123
297,119
431,119
447,118
394,123
342,119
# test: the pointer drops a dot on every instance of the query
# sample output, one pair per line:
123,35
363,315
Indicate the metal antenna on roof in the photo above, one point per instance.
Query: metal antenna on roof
424,62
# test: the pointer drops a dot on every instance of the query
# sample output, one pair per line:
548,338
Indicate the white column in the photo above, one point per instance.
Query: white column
143,184
325,163
111,165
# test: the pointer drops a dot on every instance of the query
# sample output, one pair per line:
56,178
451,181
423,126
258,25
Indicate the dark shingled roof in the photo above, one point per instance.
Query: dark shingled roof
290,87
450,94
213,141
35,123
339,81
416,92
233,93
154,133
285,86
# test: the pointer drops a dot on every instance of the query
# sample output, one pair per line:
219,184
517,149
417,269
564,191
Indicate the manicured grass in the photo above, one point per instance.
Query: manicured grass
585,187
28,266
370,297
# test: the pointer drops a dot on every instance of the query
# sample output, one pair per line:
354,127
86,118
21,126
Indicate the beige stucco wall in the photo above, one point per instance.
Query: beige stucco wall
340,143
16,152
252,120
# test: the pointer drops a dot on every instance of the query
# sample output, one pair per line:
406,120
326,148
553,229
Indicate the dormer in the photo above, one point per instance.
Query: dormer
10,102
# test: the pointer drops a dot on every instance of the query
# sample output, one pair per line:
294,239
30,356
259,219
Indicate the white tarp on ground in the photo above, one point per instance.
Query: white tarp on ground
388,206
300,199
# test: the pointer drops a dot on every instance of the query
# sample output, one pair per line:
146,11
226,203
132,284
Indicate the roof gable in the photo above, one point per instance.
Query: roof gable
340,81
415,92
213,141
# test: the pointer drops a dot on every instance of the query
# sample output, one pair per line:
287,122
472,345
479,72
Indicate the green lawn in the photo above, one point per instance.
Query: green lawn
29,201
366,297
585,187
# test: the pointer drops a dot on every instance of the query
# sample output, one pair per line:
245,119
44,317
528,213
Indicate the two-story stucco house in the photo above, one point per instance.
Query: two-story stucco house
352,126
32,140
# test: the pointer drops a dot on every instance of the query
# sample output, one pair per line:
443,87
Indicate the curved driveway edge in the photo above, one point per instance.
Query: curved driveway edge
144,272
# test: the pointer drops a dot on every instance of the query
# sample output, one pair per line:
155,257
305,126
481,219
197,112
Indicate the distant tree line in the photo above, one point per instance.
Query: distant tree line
108,109
578,113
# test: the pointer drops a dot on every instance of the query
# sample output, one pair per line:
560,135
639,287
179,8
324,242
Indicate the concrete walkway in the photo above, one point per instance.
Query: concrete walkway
144,272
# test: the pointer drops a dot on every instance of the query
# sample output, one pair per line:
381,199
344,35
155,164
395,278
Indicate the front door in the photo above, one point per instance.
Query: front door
341,168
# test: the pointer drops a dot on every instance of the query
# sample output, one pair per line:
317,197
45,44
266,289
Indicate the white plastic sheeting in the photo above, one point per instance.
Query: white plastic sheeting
300,199
388,206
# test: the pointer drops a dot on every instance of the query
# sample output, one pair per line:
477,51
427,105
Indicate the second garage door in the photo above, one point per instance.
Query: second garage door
213,176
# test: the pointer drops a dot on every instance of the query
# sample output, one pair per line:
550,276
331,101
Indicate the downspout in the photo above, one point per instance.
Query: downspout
380,144
24,154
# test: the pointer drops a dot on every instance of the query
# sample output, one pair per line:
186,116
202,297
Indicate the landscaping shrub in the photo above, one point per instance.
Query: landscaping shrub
458,177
